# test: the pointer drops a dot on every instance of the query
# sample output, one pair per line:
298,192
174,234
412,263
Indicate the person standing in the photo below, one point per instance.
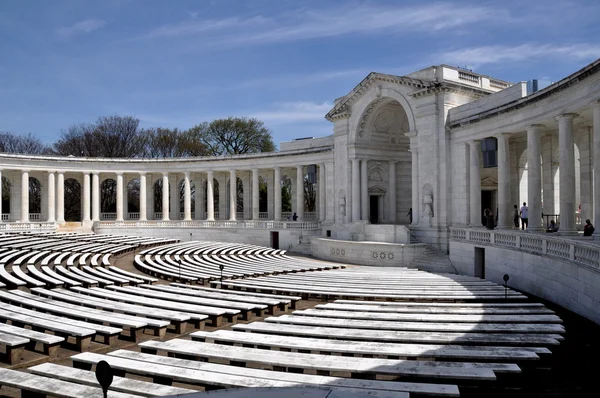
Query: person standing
409,214
524,215
516,216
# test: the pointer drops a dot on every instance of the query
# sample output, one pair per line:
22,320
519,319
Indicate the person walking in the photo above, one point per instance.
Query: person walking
524,216
516,216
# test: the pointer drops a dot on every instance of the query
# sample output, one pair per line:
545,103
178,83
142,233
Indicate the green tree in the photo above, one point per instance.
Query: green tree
233,135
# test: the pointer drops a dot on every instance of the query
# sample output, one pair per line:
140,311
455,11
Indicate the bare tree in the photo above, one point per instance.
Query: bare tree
109,137
26,144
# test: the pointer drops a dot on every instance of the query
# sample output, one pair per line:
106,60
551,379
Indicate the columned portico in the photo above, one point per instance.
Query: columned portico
255,196
504,206
232,195
187,197
277,193
143,198
95,196
210,201
86,197
300,192
534,176
60,198
596,152
51,197
392,195
24,195
165,196
567,174
355,189
475,184
364,189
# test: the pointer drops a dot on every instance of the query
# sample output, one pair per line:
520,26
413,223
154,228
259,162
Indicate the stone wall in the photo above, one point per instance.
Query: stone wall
378,254
572,286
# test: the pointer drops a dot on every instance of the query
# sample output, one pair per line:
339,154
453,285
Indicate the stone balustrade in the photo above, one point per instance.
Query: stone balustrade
295,225
580,252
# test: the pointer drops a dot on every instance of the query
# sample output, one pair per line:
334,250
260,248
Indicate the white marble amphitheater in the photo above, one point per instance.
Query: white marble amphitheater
401,183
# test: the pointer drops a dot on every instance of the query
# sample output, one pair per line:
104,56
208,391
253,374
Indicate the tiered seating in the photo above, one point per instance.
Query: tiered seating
432,335
36,260
411,285
200,261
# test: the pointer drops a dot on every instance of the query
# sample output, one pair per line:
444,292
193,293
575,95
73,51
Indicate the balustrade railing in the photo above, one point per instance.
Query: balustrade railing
299,225
133,216
35,216
108,216
263,215
5,216
28,226
550,245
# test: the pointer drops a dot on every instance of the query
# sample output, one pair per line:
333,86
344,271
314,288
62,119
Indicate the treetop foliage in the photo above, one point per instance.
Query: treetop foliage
233,136
122,137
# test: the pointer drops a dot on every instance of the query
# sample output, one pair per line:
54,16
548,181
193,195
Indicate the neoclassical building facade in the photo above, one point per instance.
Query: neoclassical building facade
413,161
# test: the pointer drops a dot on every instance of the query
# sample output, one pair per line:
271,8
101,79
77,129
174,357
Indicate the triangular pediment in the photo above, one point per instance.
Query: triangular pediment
377,190
489,181
342,105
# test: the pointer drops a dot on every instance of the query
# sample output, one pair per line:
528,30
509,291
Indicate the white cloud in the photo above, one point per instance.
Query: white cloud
477,56
81,27
310,24
289,112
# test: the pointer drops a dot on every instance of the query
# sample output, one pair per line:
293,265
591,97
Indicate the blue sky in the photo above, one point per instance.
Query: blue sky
179,63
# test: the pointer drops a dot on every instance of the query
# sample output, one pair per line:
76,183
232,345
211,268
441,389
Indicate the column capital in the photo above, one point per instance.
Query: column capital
165,173
596,104
535,127
502,136
25,170
142,173
119,173
94,173
474,142
567,116
255,170
186,174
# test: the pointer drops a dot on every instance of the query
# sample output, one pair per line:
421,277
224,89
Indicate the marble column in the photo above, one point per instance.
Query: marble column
174,197
475,211
277,193
25,196
300,192
143,199
86,197
210,198
119,197
51,197
95,196
255,196
566,173
187,197
165,196
232,195
505,209
364,189
416,206
355,189
534,177
322,208
60,198
392,194
596,152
